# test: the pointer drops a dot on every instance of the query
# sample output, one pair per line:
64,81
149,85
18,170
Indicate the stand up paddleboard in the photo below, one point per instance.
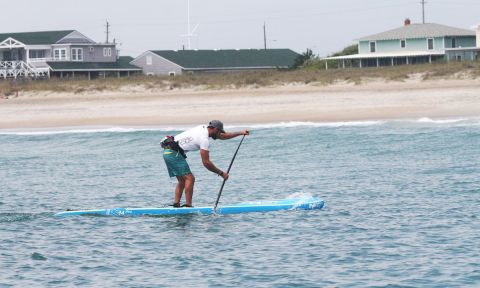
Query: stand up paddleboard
259,206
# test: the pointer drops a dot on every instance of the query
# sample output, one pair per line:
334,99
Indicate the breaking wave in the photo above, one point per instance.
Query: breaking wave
461,122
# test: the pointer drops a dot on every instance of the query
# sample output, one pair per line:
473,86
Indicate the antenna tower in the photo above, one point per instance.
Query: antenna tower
190,33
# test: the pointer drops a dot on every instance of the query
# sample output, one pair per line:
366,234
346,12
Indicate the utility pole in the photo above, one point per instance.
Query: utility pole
264,36
108,30
423,11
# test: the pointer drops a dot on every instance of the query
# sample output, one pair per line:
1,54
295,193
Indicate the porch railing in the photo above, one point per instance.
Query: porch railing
47,59
16,69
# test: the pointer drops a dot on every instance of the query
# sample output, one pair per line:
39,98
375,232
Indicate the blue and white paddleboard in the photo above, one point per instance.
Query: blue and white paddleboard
258,206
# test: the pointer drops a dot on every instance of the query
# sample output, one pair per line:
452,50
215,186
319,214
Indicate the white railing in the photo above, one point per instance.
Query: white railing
16,69
33,60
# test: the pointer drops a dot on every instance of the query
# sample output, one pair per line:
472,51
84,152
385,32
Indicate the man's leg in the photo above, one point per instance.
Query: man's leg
189,182
179,189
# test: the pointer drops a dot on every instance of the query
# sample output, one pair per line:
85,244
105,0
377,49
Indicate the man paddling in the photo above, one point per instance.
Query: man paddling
192,140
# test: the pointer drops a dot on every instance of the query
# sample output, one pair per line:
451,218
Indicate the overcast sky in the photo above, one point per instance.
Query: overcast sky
325,26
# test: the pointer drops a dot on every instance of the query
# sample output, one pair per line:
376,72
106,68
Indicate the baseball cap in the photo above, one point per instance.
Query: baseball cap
216,124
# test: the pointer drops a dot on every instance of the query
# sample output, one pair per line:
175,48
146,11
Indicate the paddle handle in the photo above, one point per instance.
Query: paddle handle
228,171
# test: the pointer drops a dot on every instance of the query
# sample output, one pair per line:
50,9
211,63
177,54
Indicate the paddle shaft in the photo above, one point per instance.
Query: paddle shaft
228,171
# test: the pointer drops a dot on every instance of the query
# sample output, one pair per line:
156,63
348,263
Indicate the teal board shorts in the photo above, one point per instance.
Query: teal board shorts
176,164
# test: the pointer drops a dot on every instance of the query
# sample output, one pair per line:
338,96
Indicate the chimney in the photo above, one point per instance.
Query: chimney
407,22
478,36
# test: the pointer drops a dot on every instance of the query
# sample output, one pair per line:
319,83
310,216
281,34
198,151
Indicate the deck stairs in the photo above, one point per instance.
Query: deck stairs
21,69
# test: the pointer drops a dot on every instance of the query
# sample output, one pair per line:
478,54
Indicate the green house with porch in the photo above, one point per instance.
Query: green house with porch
413,44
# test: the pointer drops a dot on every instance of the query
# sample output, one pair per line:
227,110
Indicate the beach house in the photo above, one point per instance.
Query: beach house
176,62
411,44
66,53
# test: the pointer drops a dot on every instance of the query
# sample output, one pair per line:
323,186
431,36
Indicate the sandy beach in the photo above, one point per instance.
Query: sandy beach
339,102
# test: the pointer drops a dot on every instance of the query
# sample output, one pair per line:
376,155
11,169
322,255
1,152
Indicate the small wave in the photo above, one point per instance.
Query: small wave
300,195
441,121
302,198
310,124
38,256
129,129
473,121
86,130
447,122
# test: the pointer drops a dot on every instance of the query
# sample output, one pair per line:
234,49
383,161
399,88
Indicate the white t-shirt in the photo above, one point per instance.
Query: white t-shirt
194,139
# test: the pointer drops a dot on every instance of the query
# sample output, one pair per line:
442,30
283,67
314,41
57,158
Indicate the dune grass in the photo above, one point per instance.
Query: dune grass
312,74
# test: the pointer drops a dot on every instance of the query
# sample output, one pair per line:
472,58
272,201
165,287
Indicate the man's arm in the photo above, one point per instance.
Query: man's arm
210,166
230,135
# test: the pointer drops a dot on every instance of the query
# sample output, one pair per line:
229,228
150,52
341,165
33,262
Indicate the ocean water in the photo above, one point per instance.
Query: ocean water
402,208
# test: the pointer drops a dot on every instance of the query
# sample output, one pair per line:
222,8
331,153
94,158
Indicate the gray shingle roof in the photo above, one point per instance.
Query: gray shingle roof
224,59
419,31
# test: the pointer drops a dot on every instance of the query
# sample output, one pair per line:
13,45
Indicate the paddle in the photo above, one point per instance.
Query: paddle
228,171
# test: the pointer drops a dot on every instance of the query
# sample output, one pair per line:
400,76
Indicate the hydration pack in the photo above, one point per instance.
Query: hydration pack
170,143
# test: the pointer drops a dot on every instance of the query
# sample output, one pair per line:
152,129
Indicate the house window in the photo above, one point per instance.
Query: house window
430,43
373,46
403,43
36,54
77,54
60,54
454,42
171,73
91,49
107,52
149,60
